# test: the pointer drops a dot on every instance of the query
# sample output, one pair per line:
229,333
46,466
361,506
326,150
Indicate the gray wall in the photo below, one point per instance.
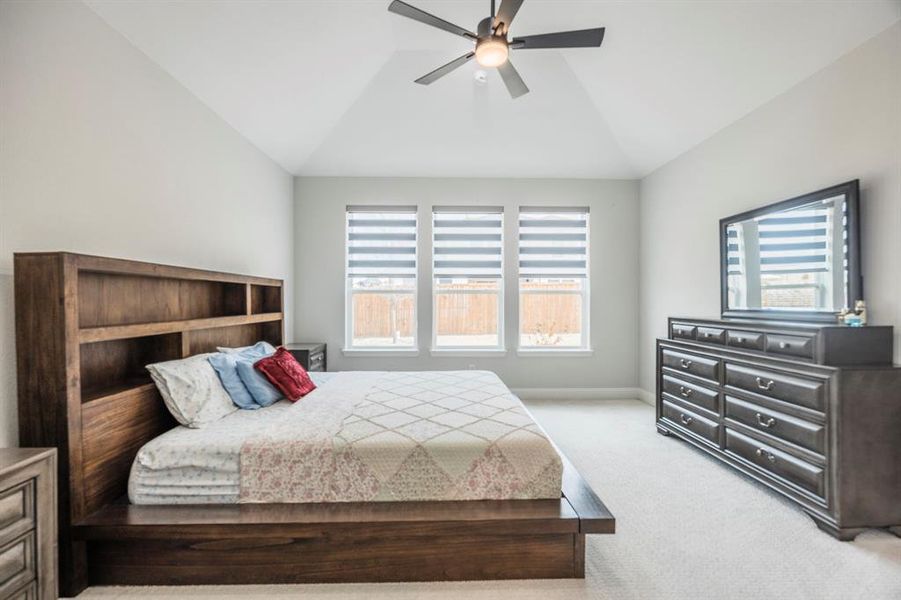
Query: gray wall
102,152
319,259
842,123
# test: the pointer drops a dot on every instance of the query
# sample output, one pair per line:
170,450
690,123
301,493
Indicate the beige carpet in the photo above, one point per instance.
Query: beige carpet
686,528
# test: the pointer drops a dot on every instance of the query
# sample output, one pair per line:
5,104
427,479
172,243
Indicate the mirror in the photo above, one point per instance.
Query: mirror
798,259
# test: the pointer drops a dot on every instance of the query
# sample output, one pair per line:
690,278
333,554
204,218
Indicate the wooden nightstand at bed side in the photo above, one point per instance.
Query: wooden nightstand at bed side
28,524
312,356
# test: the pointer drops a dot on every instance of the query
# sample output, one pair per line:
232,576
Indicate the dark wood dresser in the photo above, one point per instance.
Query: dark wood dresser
312,356
28,524
812,411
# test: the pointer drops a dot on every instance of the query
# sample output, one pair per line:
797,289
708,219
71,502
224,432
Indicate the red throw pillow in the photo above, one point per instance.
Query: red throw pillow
286,374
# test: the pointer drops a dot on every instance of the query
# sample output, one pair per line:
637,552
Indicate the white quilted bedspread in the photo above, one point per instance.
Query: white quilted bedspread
433,435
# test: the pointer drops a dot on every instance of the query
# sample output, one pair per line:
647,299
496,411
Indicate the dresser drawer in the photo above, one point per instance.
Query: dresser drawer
695,394
781,464
790,345
692,421
16,564
791,429
16,511
684,331
712,335
749,340
798,390
692,364
29,592
317,361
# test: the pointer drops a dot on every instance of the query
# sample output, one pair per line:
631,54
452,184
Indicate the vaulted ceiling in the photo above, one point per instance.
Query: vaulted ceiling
326,87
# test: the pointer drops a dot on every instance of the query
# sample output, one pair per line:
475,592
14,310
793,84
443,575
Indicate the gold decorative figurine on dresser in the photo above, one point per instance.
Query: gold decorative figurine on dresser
777,388
27,524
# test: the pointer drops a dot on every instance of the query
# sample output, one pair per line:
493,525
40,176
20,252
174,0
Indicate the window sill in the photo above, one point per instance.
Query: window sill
469,352
558,352
385,352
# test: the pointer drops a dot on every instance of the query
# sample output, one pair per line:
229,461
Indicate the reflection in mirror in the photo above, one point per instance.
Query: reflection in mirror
792,259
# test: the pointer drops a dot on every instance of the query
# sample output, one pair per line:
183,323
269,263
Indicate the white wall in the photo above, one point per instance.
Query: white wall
842,123
319,289
102,152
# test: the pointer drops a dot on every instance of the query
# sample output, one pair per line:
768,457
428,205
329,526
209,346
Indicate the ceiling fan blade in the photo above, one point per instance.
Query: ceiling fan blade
584,38
515,85
506,13
444,70
411,12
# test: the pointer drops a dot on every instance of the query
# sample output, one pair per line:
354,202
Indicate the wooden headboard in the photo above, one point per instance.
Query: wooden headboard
85,328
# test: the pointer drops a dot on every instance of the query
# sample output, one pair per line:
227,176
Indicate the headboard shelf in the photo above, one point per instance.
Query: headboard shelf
121,332
112,392
86,327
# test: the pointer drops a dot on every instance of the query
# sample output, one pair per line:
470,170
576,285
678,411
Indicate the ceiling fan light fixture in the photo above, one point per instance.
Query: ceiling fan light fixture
492,51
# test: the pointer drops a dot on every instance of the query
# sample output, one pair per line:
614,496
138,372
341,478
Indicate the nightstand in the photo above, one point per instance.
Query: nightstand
311,356
28,523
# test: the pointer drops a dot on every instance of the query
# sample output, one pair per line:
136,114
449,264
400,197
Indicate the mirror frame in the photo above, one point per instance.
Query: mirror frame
854,282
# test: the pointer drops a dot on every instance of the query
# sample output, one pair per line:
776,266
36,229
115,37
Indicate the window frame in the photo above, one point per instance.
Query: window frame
584,346
500,347
350,348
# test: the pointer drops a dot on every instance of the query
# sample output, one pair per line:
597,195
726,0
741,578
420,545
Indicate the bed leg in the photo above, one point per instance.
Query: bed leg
579,556
73,568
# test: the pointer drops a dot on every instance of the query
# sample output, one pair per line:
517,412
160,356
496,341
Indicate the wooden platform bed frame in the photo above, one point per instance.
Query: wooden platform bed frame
85,328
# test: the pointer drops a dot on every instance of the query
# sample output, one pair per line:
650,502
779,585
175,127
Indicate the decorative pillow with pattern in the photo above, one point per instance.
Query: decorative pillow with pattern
286,374
192,390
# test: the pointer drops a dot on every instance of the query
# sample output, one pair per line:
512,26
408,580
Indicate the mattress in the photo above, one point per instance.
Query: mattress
360,436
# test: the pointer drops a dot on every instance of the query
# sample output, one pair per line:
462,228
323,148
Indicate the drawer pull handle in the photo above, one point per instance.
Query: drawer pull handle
685,420
685,392
685,363
769,455
768,386
766,423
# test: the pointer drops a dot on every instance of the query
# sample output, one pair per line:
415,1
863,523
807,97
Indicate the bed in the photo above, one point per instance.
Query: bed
359,437
85,328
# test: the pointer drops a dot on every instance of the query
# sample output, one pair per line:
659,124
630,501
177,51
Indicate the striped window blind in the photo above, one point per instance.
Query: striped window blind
467,242
553,243
733,250
796,241
381,242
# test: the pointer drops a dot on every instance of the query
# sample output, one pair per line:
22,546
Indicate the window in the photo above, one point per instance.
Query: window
553,278
467,269
381,278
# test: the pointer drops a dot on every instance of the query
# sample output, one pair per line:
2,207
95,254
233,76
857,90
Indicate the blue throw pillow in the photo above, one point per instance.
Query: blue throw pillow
226,368
263,392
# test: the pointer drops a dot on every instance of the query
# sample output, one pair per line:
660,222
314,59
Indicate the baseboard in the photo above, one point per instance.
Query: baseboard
647,397
538,394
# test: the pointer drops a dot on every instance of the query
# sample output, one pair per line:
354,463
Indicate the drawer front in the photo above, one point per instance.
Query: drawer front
790,345
809,393
29,592
711,335
781,464
317,361
16,564
791,429
695,394
686,419
16,511
699,366
749,340
684,331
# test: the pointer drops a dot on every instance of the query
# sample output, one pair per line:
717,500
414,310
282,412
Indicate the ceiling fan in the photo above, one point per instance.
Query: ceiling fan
492,48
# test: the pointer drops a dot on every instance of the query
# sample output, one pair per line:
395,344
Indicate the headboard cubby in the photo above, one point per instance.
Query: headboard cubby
86,326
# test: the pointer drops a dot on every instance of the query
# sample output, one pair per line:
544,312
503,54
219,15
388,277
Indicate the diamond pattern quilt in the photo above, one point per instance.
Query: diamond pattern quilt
374,436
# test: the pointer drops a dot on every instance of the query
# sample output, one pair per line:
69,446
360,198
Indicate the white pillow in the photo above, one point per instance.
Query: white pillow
261,348
192,390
